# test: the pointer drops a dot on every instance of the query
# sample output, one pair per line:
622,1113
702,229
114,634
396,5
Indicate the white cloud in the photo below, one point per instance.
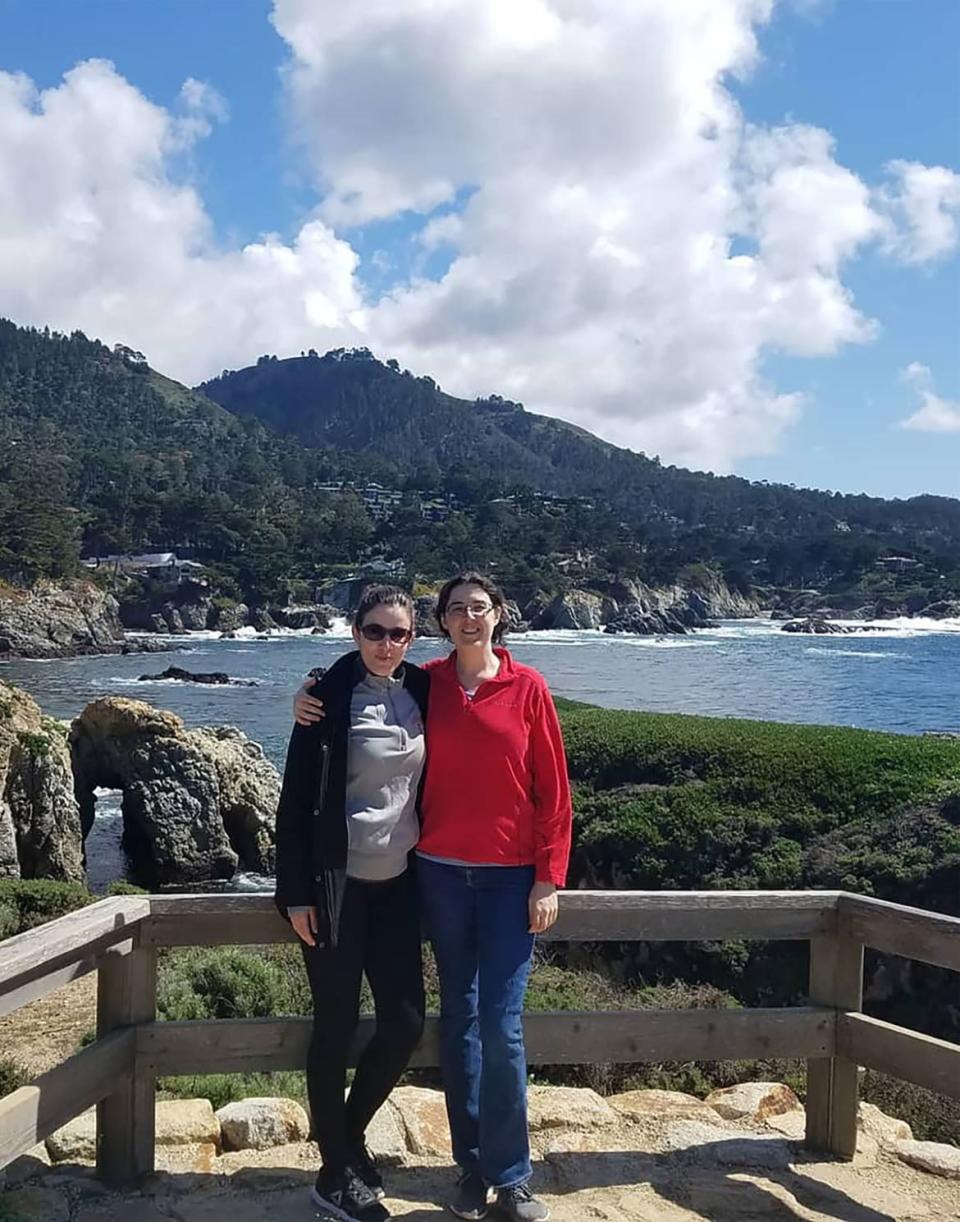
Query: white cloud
923,207
935,414
629,250
609,170
97,233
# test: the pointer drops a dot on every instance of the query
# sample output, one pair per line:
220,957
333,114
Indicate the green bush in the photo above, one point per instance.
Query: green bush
12,1076
232,983
26,903
932,1117
224,1088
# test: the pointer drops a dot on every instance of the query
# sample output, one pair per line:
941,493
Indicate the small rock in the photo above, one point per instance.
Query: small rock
885,1130
258,1124
183,1122
933,1156
753,1100
661,1105
424,1117
704,1143
567,1107
186,1157
76,1140
793,1125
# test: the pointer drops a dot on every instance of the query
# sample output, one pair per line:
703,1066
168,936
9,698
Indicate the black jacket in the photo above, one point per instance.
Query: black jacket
311,818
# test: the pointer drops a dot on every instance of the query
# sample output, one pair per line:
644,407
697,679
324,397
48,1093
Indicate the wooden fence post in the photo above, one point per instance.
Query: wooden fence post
126,996
836,979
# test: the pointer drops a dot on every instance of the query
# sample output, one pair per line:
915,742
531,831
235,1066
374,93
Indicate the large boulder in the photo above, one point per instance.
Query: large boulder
53,620
568,1107
638,622
195,802
815,625
577,609
753,1101
260,1123
423,1114
228,617
40,833
304,617
945,609
425,607
933,1156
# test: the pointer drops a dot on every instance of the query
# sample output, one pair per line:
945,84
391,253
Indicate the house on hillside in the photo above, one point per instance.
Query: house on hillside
161,566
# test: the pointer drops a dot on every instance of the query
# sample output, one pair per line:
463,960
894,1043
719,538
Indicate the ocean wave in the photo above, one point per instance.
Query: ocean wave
130,681
596,636
823,651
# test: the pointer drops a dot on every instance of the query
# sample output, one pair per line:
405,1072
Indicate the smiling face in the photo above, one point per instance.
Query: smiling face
470,617
382,657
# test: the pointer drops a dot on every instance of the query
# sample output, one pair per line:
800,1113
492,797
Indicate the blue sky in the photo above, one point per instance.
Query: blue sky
879,75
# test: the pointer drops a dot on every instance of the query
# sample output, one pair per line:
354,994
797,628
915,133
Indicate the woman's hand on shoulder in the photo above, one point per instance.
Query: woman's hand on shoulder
307,710
543,907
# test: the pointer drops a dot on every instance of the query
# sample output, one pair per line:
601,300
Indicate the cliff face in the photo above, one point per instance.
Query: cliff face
628,605
58,620
40,833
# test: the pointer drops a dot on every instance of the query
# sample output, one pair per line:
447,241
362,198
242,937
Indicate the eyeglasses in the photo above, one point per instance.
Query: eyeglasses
377,632
477,609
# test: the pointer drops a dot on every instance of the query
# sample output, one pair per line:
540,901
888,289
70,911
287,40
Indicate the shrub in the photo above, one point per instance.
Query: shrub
12,1076
26,903
224,1088
232,983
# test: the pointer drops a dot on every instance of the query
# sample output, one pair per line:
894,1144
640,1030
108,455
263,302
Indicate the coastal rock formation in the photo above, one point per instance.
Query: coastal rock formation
577,609
629,606
200,676
817,626
426,612
40,833
59,621
945,609
195,802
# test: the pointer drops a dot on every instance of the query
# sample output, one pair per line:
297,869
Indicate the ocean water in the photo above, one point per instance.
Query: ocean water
905,678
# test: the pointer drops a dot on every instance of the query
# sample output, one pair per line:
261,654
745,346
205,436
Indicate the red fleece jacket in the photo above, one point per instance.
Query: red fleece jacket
496,789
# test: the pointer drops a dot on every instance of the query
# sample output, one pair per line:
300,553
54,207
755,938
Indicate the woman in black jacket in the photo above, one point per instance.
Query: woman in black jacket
346,824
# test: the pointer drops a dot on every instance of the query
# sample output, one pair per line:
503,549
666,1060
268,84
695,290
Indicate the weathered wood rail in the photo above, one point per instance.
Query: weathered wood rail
120,938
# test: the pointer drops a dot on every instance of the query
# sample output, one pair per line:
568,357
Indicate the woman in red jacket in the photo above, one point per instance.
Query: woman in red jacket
493,849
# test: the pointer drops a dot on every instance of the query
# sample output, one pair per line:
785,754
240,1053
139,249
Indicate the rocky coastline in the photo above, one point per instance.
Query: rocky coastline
197,804
75,618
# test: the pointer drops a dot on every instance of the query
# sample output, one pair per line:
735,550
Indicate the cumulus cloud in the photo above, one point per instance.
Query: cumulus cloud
935,414
922,204
98,233
630,247
622,249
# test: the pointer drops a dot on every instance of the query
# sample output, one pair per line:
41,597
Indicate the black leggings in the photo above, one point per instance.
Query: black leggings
379,935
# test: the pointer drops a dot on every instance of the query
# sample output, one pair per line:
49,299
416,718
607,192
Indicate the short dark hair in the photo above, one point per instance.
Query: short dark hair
489,587
382,596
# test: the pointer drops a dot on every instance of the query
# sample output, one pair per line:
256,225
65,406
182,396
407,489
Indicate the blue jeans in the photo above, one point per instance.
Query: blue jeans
478,921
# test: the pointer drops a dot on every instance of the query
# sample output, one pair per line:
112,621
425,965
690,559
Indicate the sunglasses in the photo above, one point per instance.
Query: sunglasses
377,632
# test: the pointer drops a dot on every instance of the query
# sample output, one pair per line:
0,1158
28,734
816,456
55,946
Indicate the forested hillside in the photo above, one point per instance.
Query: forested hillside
261,477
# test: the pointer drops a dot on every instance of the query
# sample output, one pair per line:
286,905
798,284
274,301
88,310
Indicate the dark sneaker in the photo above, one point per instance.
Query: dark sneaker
470,1199
520,1205
344,1196
365,1166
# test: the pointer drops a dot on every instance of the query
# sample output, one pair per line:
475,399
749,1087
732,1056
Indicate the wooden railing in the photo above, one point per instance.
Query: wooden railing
120,938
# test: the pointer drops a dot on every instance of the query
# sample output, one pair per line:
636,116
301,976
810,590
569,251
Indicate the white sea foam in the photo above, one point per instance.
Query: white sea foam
877,654
130,681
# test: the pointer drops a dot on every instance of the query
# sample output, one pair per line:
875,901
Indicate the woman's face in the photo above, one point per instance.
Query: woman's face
394,628
470,617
